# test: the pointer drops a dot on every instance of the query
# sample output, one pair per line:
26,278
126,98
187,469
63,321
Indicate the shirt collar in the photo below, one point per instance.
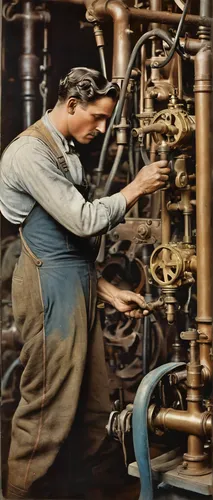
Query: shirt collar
68,145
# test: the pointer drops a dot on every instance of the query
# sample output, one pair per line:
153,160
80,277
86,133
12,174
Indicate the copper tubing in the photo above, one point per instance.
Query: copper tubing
119,13
121,44
165,17
197,423
203,182
153,16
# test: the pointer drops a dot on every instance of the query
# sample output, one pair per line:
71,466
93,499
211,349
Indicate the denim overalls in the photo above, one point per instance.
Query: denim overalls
64,402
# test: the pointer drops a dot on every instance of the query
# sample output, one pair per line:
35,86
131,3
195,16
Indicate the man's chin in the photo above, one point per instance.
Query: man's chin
85,140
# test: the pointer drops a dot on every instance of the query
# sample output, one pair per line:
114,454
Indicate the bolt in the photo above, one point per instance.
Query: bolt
185,465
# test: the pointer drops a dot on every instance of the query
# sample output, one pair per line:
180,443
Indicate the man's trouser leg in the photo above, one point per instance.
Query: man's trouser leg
54,360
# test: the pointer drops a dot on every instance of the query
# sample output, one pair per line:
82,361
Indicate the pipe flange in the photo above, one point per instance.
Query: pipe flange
152,413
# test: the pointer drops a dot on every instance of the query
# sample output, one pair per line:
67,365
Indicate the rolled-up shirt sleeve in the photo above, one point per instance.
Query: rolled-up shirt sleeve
36,173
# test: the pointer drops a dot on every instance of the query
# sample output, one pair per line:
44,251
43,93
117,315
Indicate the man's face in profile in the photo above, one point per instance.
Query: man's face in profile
90,119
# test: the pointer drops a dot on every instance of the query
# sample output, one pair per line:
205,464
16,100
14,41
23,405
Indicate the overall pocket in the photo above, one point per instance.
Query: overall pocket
27,300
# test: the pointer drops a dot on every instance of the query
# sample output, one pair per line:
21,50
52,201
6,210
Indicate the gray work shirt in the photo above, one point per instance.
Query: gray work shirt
29,174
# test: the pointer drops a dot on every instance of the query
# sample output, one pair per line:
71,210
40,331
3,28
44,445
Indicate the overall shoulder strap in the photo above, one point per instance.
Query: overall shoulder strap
40,131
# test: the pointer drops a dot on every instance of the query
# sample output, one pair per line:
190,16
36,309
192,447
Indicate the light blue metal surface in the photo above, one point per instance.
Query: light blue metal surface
140,431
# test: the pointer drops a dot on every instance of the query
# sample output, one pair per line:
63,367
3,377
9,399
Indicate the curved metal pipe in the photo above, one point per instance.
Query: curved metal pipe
176,40
156,32
140,432
113,169
119,13
102,61
100,167
121,43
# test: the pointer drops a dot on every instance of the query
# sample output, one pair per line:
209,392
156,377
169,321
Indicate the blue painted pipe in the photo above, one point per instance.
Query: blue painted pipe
140,430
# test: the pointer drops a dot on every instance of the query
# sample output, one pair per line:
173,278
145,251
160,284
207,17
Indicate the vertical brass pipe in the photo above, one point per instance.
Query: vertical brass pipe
195,457
156,197
155,5
203,88
180,78
142,80
165,217
28,65
212,240
204,33
156,43
205,8
1,77
119,13
165,220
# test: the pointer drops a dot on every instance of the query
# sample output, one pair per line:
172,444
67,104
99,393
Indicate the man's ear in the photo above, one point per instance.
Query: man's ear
71,105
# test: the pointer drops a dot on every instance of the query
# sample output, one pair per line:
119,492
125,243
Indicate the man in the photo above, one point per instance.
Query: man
64,402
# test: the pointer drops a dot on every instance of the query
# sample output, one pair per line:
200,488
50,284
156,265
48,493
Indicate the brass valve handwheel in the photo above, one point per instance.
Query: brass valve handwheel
177,120
165,265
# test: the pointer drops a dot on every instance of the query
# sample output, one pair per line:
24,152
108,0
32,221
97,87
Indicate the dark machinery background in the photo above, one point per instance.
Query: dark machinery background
160,368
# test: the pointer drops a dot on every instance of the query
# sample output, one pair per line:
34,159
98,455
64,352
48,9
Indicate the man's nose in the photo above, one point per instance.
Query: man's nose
101,127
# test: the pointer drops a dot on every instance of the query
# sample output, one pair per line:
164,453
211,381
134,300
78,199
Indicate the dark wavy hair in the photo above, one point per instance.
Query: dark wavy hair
87,85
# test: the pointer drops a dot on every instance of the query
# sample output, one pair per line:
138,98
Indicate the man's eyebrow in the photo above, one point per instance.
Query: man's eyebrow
101,115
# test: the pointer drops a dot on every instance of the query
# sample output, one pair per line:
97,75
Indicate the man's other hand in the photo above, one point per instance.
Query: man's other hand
131,304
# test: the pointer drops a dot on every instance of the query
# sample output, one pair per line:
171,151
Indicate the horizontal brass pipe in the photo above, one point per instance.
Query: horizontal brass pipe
192,45
161,127
165,17
199,424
